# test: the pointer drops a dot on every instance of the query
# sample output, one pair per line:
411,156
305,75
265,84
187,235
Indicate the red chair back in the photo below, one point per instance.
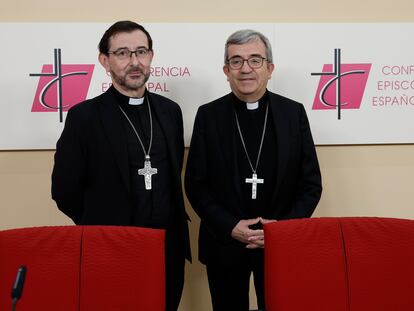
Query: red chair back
355,263
84,268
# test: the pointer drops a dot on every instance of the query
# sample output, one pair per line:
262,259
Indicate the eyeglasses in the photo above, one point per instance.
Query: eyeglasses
254,62
126,54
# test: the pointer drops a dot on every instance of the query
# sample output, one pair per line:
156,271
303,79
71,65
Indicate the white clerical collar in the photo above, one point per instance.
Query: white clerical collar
136,101
252,106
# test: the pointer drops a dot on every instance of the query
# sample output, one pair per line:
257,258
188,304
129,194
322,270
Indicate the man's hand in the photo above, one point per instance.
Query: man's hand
258,241
266,221
242,233
252,238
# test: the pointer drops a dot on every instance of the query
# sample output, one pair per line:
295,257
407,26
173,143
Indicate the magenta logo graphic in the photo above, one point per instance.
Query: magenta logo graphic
341,86
61,86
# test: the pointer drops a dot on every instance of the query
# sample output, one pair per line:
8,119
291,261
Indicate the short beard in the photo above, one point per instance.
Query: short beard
122,81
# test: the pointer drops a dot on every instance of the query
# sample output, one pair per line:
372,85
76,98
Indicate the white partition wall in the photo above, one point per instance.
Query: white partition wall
355,88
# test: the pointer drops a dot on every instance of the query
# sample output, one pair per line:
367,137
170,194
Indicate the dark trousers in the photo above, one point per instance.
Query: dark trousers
174,271
229,285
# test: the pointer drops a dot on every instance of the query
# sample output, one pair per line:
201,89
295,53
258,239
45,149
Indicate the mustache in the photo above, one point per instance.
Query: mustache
135,69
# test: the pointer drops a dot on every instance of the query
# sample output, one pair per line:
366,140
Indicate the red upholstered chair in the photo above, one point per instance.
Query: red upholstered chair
338,264
52,256
84,268
122,269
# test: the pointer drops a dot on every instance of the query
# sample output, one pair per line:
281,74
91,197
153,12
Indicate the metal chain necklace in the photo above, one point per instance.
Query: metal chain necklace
147,171
254,180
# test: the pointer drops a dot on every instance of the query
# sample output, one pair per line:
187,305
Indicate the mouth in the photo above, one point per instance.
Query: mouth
135,71
247,80
135,74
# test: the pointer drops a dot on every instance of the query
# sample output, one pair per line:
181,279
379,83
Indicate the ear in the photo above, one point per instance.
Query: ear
104,60
226,71
270,69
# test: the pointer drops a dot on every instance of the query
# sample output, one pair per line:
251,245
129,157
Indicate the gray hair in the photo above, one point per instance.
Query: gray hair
248,35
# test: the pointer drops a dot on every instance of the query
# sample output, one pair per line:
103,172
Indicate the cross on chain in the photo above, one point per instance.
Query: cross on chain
254,181
147,171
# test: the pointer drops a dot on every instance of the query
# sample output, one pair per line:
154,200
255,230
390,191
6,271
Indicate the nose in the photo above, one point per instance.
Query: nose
134,58
245,67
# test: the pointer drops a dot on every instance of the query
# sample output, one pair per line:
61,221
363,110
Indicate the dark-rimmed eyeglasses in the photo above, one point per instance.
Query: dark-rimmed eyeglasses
254,62
126,54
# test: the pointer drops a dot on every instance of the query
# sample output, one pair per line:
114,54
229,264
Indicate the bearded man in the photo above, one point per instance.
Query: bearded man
119,158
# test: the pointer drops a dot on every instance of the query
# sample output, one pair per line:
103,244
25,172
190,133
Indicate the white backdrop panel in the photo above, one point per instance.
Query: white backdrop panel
187,67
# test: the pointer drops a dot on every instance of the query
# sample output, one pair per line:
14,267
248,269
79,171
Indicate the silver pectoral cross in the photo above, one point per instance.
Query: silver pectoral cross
147,171
254,181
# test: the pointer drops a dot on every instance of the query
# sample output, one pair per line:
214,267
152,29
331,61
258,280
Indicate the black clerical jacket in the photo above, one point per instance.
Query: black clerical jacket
90,180
212,180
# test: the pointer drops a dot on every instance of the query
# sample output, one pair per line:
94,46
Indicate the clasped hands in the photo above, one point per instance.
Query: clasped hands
252,238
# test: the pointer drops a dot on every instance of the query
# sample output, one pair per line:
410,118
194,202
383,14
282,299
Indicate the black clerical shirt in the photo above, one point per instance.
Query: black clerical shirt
150,208
251,125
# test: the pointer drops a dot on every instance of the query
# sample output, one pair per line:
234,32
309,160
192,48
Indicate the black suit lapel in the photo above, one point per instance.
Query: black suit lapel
282,126
226,138
168,124
113,127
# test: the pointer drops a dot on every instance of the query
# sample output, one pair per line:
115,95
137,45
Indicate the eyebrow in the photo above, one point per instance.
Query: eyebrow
124,47
251,55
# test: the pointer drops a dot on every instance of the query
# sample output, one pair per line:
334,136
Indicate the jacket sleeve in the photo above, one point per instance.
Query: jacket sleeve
309,185
68,176
218,220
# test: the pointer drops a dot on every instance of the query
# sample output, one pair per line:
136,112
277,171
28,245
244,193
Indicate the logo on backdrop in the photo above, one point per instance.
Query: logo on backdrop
61,86
341,86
